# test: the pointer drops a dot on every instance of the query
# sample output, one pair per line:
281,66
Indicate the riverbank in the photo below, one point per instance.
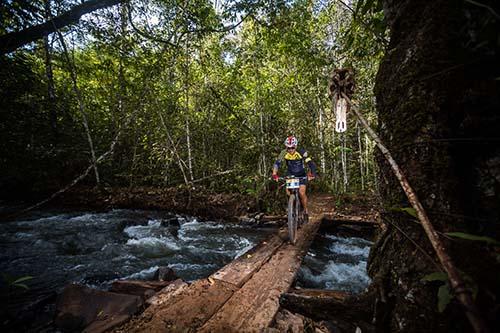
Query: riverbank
196,201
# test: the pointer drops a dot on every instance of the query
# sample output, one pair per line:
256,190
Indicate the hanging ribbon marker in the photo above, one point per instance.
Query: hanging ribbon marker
340,115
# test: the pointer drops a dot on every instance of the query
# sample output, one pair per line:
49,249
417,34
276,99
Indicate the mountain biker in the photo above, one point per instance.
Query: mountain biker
295,160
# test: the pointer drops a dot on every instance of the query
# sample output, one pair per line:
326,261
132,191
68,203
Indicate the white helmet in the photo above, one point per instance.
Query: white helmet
291,141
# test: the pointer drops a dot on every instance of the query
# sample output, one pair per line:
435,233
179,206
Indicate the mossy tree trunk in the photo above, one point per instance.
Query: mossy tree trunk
437,101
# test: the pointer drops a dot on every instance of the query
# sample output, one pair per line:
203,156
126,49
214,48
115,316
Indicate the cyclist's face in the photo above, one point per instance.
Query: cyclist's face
290,149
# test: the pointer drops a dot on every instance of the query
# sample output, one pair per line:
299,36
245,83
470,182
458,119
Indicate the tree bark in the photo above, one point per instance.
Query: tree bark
457,282
13,40
429,107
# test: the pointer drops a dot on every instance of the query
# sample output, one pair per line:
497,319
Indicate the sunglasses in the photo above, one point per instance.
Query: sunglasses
290,148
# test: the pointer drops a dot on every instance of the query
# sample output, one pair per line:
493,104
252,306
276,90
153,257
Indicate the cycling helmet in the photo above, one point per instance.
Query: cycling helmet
291,141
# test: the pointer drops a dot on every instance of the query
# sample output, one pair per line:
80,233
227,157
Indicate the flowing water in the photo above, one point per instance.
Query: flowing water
337,263
98,248
95,249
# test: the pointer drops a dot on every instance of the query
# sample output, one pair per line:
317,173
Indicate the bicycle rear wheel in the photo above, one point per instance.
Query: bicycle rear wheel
292,218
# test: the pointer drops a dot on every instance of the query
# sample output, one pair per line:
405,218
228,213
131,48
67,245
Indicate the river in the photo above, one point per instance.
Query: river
96,248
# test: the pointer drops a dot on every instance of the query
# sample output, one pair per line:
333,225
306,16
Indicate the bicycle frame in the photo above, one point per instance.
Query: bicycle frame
294,211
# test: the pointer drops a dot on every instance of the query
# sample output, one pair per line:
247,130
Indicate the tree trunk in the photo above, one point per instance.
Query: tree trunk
343,155
439,126
321,125
360,152
51,91
81,107
190,156
186,110
264,169
334,162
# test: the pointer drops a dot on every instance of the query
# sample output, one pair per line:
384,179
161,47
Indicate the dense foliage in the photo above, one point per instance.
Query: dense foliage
182,92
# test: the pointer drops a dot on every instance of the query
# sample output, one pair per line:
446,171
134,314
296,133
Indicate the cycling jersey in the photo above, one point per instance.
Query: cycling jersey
295,162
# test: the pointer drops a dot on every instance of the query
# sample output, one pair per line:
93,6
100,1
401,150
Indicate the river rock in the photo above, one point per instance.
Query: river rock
80,308
170,221
165,273
246,220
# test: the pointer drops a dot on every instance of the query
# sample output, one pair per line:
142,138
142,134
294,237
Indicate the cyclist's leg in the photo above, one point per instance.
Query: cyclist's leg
303,197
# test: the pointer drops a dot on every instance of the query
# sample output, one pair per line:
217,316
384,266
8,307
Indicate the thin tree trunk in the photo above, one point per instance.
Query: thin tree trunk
360,151
335,172
321,125
367,158
174,149
81,107
134,159
188,133
190,158
51,92
262,146
344,163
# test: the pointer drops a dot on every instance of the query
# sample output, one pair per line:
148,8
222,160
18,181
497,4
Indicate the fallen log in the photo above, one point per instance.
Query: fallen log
351,221
344,310
271,218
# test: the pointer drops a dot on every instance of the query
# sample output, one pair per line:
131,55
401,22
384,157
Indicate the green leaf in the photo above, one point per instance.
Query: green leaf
436,276
444,297
22,279
22,285
471,237
410,211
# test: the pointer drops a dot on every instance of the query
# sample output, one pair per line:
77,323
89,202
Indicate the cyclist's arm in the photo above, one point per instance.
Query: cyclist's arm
310,164
278,162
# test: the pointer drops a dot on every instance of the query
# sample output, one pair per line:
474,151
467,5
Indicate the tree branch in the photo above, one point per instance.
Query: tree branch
13,40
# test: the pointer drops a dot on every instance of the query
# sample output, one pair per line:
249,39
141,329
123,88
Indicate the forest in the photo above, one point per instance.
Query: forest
179,93
124,103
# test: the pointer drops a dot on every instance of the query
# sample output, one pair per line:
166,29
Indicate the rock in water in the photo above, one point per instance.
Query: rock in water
165,273
80,308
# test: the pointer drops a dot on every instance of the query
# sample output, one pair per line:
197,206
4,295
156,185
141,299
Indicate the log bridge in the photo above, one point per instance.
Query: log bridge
243,296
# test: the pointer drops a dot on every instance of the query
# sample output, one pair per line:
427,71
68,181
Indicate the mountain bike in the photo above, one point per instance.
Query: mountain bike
295,210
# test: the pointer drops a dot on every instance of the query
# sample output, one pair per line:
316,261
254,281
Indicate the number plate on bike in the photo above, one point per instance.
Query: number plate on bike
292,183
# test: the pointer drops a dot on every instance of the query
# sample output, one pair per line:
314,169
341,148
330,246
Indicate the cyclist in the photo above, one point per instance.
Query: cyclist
295,161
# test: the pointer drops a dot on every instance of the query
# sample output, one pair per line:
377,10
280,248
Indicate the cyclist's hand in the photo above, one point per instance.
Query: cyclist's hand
276,178
310,177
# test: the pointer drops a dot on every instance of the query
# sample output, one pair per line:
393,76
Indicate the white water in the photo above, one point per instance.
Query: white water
99,248
337,263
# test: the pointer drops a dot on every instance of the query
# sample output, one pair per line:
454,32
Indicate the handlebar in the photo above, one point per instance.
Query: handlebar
289,177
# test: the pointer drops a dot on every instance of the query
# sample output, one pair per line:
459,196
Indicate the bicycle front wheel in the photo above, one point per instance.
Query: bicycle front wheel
292,219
